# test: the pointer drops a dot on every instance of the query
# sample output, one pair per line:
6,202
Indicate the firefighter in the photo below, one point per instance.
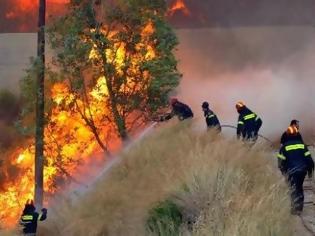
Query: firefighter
248,123
179,109
294,162
211,118
30,218
286,137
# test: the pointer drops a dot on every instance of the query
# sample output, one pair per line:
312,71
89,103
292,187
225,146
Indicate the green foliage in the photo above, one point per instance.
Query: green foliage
165,219
9,105
28,88
9,111
136,80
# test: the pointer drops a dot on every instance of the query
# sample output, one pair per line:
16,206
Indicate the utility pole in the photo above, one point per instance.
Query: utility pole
40,107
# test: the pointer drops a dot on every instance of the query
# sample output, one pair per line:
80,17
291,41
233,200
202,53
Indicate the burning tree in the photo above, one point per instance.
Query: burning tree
123,52
113,71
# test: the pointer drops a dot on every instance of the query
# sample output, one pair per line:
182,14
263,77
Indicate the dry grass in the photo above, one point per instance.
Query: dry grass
225,187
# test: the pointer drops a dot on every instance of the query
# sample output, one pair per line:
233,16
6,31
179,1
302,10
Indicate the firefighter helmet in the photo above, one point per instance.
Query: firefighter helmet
295,123
239,105
292,130
205,105
173,101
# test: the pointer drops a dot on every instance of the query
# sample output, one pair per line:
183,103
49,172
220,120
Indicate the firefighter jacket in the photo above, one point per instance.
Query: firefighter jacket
295,157
29,221
212,119
181,110
248,124
286,138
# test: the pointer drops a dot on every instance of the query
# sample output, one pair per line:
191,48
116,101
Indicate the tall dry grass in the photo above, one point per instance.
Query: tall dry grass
223,186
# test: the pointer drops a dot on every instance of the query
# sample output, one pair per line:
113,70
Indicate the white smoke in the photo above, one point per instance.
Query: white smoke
271,69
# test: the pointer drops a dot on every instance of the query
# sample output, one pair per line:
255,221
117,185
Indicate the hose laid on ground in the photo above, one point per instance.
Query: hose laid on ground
259,135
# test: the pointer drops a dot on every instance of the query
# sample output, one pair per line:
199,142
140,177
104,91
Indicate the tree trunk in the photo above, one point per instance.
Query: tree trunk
119,120
40,106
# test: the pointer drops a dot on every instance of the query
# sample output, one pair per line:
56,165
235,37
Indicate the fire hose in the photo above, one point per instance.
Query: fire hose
259,135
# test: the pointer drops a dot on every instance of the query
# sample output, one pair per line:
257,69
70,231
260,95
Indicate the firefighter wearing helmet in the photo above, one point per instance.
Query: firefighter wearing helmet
179,109
212,120
286,137
294,162
30,218
248,123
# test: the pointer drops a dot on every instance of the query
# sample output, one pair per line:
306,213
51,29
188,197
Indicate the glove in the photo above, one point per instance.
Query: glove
44,211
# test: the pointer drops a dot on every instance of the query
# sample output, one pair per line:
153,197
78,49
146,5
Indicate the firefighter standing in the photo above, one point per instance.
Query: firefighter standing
248,123
211,118
286,137
30,218
294,162
179,109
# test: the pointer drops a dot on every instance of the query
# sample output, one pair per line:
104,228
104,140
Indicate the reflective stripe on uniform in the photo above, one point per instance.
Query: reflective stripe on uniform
240,122
294,147
250,116
280,156
257,118
308,153
210,116
27,217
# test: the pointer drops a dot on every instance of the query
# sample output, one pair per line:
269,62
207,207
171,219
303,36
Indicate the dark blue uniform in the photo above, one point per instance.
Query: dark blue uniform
295,161
30,218
287,138
181,110
248,124
212,119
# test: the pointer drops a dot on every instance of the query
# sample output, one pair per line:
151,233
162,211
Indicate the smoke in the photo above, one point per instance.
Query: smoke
21,15
226,13
270,68
15,51
17,15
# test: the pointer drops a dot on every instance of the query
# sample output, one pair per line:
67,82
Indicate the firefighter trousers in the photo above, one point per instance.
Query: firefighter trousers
296,180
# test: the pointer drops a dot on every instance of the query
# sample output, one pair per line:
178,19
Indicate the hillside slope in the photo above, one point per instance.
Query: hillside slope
223,186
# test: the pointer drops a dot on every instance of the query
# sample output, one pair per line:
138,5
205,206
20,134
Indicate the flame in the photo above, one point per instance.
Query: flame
179,6
19,7
69,142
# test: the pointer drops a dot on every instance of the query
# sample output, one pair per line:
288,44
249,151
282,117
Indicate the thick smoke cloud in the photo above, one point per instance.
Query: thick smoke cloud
227,13
14,17
21,15
270,69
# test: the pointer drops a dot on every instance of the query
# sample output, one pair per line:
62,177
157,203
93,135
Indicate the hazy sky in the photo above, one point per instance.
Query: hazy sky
20,15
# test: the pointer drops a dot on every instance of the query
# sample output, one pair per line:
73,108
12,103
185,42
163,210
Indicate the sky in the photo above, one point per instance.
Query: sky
20,15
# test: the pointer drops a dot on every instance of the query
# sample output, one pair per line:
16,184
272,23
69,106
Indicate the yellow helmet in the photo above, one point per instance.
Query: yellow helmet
292,130
239,105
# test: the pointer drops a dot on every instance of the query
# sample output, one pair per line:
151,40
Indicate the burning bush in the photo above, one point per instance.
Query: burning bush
118,62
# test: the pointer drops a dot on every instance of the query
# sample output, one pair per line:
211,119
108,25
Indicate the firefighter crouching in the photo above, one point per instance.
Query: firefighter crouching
30,218
179,109
248,123
294,162
211,118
